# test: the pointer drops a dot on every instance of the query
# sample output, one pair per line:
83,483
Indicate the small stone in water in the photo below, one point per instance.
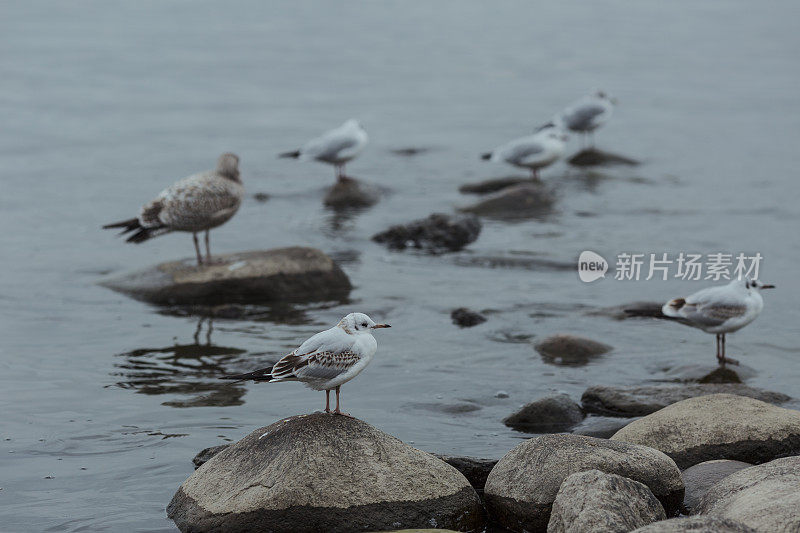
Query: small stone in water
501,394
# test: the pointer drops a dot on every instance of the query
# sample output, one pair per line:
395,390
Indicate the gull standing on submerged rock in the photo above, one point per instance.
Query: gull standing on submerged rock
335,147
327,360
198,203
533,152
720,310
587,114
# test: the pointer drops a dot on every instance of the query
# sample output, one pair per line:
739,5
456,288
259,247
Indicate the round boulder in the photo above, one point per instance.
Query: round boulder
696,524
528,200
718,426
284,274
351,193
698,479
521,488
603,503
764,497
570,350
550,414
324,472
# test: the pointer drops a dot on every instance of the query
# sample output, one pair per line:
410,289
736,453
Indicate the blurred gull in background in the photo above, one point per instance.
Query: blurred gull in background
533,152
336,147
587,114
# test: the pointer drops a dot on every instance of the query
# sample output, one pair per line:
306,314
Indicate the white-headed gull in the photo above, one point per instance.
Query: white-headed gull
335,147
533,152
327,360
587,114
719,310
198,203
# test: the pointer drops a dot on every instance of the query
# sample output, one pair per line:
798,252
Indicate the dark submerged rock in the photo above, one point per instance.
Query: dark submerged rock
550,414
696,524
718,426
709,373
698,479
570,350
466,318
593,157
521,488
204,455
437,233
641,401
603,503
282,274
630,310
359,479
528,200
493,185
351,193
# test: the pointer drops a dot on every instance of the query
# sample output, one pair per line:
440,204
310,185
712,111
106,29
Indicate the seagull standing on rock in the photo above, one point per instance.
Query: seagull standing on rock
327,360
587,114
335,147
720,310
533,152
198,203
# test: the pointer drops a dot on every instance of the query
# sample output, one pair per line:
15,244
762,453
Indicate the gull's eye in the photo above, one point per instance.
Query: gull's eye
363,324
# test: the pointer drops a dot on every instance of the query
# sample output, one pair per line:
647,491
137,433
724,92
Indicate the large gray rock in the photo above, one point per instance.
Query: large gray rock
324,472
521,489
570,350
698,479
641,401
528,200
718,426
603,503
282,274
696,524
550,414
437,233
764,497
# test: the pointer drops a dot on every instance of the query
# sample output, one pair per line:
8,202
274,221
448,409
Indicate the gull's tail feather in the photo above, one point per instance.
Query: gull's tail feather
128,225
650,311
294,155
487,156
142,233
264,374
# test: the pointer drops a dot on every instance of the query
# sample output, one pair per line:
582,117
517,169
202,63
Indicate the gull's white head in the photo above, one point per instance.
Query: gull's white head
352,124
228,165
357,323
755,284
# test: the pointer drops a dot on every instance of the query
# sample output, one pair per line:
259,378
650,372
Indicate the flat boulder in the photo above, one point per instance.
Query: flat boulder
551,414
696,524
570,350
324,472
437,233
603,503
351,193
698,479
764,497
257,277
521,489
493,185
718,426
527,200
591,157
641,401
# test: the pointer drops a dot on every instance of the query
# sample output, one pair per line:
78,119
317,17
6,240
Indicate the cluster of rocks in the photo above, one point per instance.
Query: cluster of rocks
730,462
437,233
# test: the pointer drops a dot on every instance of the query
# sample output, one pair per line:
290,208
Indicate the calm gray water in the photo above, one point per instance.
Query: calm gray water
104,400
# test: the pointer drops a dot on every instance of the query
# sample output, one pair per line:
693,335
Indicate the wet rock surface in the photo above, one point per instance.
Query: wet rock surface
282,274
764,497
570,350
551,414
351,193
641,401
466,318
600,426
718,426
360,479
528,200
696,524
603,503
520,490
437,233
593,157
493,185
698,479
476,470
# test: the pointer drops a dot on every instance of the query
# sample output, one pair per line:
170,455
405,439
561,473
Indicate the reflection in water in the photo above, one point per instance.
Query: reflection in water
190,370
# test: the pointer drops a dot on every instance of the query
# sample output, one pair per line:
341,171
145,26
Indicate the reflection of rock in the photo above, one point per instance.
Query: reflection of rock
641,401
570,350
698,479
764,497
695,524
594,157
437,233
349,192
530,200
718,426
360,479
466,318
603,503
494,185
550,414
521,489
293,274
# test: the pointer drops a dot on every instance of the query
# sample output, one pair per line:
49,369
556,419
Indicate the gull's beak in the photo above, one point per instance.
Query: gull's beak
768,286
376,326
